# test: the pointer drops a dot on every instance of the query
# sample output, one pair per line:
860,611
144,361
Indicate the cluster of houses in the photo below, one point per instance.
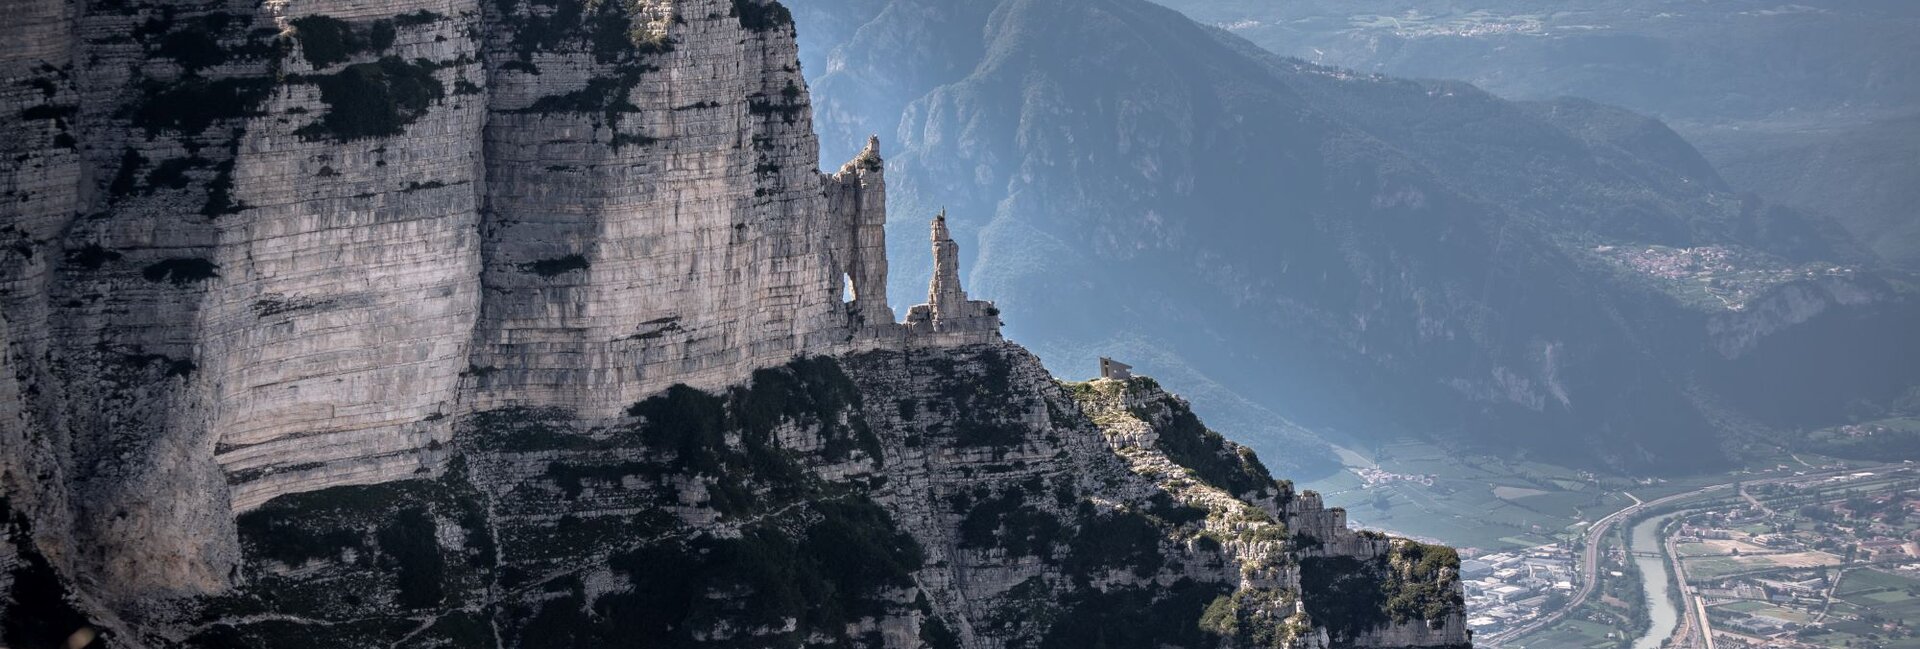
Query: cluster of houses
1375,476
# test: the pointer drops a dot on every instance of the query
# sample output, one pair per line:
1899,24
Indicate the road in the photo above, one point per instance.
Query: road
1755,502
1590,552
1695,606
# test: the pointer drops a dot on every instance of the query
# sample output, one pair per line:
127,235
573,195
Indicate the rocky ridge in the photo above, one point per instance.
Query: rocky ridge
533,323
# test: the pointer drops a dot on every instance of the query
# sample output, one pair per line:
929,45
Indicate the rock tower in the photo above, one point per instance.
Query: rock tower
857,204
948,316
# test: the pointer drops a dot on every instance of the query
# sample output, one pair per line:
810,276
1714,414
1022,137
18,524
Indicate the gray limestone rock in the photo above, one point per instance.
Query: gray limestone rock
463,323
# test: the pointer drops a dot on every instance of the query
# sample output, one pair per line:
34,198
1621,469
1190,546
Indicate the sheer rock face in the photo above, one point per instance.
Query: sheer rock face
655,210
465,324
260,250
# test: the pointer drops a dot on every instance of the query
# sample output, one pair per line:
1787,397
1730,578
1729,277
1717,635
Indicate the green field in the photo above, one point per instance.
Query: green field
1710,568
1894,597
1475,501
1763,608
1571,634
1864,581
1493,503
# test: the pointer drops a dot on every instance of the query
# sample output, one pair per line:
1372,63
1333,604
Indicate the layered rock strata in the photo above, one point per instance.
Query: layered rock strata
257,250
529,322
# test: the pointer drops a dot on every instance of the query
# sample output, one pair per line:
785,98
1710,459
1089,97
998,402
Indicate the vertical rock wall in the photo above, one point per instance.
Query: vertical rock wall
41,178
337,330
252,250
653,209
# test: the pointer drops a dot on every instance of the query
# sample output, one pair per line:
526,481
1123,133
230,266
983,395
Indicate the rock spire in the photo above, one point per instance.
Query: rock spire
944,292
948,314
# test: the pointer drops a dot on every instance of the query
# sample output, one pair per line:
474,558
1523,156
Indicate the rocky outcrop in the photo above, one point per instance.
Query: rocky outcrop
857,204
950,496
1298,561
1738,332
533,323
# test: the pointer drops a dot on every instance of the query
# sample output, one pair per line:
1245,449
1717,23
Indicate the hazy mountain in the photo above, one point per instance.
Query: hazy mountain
1810,103
1675,58
1863,173
1367,255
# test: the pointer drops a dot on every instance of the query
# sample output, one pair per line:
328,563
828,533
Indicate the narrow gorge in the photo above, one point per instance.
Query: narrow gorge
534,323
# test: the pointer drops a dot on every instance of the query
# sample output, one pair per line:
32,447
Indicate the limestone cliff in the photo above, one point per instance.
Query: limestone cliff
534,323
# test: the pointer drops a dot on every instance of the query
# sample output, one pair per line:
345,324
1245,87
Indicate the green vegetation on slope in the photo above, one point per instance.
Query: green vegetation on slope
1191,444
1414,581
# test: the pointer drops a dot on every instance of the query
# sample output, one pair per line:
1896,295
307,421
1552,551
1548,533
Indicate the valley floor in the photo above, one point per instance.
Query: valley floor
1526,530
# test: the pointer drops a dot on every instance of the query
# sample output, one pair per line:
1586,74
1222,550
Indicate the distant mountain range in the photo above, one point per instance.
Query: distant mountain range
1679,59
1813,103
1301,248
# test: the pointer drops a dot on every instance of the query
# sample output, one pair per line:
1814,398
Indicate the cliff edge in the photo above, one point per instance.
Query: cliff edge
534,323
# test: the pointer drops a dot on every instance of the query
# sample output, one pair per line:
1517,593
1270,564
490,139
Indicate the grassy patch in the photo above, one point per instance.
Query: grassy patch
374,99
181,270
91,257
821,575
192,104
326,40
409,542
1190,444
556,266
1007,521
1136,618
762,15
1111,540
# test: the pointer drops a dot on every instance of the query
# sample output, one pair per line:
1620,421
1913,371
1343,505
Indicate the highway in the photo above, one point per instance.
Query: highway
1590,551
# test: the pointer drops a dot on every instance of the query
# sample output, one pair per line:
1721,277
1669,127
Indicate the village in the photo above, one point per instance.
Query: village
1714,277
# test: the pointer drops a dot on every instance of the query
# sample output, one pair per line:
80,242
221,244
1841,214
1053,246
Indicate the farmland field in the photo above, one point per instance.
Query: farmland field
1891,596
1708,568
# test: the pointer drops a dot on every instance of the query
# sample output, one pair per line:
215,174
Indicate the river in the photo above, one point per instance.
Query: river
1654,576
